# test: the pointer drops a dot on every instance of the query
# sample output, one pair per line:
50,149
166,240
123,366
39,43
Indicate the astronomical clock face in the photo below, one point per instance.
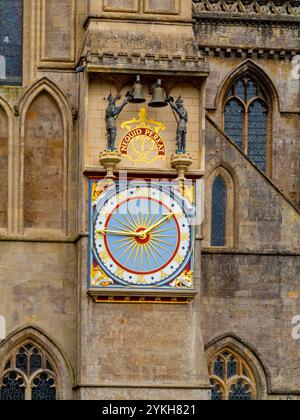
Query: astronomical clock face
11,40
141,236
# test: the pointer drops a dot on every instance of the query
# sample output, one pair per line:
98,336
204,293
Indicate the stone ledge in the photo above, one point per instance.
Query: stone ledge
98,61
248,52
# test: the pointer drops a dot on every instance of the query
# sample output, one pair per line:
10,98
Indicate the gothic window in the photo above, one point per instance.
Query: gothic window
11,42
218,213
231,377
28,375
246,119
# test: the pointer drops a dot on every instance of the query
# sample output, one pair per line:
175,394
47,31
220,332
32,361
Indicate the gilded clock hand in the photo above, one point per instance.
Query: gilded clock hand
166,218
115,232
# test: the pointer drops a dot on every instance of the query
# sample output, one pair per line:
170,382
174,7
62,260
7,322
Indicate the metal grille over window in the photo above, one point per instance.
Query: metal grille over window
246,119
218,217
231,377
28,375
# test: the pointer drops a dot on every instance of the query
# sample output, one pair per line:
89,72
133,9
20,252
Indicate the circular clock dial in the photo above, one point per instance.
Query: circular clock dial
142,236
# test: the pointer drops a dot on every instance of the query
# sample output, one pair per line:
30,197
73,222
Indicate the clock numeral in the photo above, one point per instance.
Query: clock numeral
164,275
185,236
179,259
141,280
119,272
104,257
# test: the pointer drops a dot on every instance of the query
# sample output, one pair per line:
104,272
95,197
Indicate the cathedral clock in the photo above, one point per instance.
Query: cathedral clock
141,237
11,40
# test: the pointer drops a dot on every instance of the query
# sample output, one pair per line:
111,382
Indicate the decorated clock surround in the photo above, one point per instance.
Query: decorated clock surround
141,237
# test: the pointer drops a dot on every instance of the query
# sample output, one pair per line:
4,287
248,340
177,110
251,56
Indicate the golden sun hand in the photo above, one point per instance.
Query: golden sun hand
165,219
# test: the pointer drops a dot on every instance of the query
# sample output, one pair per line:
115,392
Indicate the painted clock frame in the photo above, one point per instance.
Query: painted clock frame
127,265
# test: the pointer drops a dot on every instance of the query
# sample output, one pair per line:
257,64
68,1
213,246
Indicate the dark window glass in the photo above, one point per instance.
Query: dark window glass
43,388
12,388
11,40
21,360
219,368
216,392
28,347
240,89
219,198
240,392
257,133
35,382
233,121
231,368
35,361
251,90
246,122
230,378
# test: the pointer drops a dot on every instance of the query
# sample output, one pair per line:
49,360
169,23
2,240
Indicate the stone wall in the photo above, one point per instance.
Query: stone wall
43,165
3,168
253,297
271,47
38,288
271,226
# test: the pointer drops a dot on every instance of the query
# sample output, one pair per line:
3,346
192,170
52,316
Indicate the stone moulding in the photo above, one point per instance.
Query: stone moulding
230,52
146,63
248,8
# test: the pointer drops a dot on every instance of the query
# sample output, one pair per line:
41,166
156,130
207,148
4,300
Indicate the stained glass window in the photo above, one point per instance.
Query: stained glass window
218,217
231,377
28,375
246,119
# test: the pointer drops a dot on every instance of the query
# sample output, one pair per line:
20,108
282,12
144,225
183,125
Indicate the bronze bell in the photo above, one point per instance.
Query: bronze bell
159,96
137,95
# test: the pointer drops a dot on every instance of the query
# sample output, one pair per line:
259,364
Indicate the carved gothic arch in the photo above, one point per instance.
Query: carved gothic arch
220,168
53,90
67,115
7,109
37,337
258,73
248,354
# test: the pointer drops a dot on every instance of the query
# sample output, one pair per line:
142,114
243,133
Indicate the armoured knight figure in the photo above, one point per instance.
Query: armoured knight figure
178,107
112,113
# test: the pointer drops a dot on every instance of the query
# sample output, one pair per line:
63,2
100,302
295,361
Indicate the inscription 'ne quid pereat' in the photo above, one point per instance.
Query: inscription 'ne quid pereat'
147,132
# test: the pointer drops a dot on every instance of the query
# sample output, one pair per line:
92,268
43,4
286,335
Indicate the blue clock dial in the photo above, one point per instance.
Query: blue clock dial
142,236
147,253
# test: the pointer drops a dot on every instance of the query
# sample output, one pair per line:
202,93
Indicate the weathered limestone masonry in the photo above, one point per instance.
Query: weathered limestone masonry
52,129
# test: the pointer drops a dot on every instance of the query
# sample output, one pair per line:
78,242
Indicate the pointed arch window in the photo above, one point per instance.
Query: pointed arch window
231,377
28,374
220,206
246,119
218,213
